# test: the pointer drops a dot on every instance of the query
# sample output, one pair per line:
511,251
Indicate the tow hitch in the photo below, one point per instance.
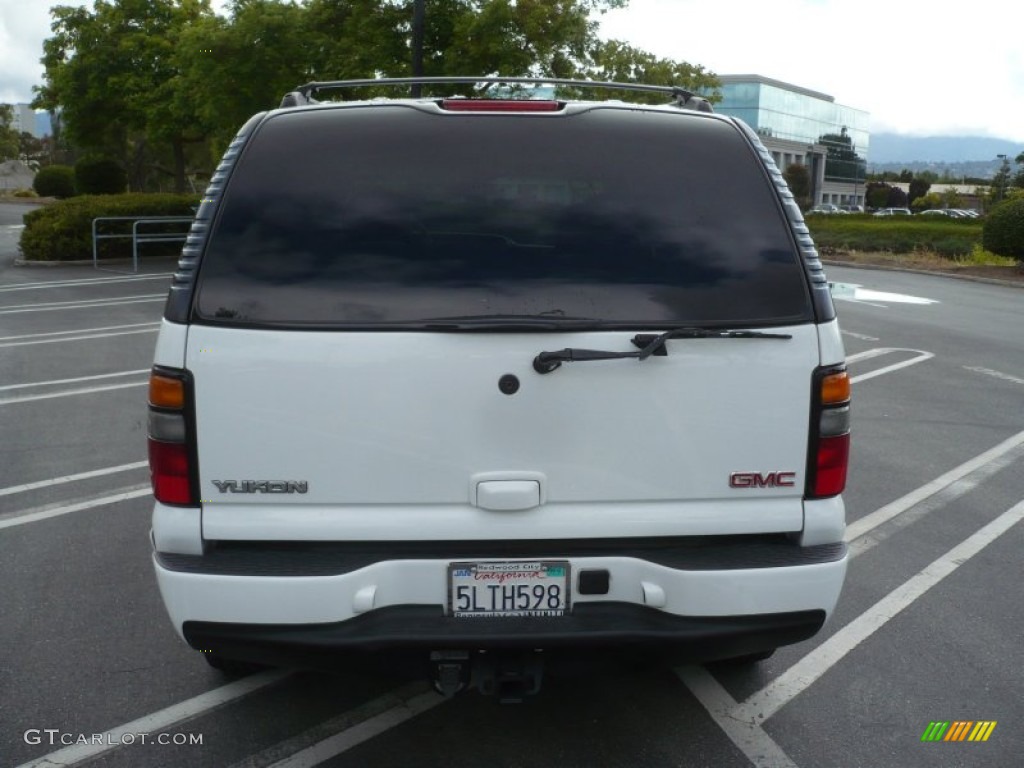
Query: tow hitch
509,676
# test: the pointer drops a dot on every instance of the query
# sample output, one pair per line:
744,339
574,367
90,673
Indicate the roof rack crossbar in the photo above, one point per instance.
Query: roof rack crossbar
680,96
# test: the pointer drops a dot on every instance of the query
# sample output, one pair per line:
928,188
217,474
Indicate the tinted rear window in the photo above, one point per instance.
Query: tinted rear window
392,216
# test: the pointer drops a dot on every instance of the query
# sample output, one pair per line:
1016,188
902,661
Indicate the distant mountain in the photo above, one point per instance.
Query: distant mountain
897,148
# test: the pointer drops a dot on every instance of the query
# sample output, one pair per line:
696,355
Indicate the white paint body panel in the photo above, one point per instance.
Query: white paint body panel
389,430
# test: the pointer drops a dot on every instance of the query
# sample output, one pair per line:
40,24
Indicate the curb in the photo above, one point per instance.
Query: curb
908,270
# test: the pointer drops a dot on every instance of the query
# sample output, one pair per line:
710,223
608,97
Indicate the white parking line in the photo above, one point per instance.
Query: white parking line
12,489
994,374
357,734
74,381
159,722
69,393
860,336
749,737
921,357
89,281
858,528
54,306
46,512
81,337
783,689
76,331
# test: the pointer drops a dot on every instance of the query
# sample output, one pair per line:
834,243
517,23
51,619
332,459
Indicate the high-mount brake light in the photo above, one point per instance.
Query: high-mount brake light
830,433
500,105
170,458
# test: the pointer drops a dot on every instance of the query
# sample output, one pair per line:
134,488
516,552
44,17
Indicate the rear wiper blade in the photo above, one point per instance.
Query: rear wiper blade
649,344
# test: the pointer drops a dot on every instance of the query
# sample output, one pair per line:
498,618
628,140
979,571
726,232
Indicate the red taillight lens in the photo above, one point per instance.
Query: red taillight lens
499,105
170,465
833,458
830,433
169,469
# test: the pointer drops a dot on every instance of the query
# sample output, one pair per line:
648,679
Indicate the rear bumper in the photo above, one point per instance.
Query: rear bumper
400,605
618,627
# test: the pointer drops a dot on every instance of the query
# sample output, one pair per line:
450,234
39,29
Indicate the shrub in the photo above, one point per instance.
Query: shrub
951,238
1003,232
99,176
62,231
25,193
55,181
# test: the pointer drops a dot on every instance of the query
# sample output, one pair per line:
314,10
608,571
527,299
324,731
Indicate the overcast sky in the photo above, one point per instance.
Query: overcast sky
921,67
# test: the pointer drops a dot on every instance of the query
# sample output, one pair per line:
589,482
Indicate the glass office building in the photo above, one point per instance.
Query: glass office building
802,126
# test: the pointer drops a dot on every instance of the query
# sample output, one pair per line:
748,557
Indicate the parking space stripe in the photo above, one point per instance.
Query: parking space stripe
55,306
75,380
858,528
749,737
159,721
77,331
922,356
357,734
69,393
84,337
45,513
770,699
12,489
85,282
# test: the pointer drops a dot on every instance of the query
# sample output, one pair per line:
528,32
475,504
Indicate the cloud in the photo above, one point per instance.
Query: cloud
937,68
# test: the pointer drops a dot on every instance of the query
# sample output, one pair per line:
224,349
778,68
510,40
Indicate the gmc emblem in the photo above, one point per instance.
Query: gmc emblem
757,480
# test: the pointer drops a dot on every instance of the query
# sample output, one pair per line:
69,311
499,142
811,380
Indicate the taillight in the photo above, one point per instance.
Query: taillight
830,433
170,456
500,105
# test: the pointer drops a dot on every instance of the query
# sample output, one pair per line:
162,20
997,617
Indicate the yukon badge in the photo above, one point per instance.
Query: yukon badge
759,480
261,486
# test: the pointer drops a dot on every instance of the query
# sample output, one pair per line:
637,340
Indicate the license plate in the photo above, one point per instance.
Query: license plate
508,588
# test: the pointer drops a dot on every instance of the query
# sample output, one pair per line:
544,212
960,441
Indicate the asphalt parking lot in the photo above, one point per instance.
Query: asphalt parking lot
928,629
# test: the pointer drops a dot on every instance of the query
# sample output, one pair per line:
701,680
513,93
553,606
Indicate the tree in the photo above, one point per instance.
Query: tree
799,181
918,187
876,194
613,60
113,74
8,135
1018,178
1000,182
842,162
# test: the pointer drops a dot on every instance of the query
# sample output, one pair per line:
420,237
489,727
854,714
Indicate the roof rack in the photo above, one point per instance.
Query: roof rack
680,96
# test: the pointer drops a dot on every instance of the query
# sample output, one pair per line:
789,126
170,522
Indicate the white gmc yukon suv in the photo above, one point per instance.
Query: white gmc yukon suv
487,382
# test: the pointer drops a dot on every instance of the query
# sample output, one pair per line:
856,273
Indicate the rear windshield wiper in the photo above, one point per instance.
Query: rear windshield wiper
649,344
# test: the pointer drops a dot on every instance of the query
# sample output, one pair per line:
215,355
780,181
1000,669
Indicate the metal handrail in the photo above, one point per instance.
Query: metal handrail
136,236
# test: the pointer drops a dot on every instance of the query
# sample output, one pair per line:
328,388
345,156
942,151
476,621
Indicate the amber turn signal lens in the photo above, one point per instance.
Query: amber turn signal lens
835,388
165,392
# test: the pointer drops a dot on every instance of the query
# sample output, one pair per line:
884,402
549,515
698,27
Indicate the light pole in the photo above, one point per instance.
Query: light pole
417,45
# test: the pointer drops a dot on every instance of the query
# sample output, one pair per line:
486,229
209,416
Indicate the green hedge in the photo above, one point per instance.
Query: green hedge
55,181
895,234
1004,229
62,231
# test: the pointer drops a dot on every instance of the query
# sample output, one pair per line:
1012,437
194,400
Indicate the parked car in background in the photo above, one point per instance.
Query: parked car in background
852,208
826,208
893,212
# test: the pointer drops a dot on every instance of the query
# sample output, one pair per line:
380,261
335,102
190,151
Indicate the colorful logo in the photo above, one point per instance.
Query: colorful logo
959,730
